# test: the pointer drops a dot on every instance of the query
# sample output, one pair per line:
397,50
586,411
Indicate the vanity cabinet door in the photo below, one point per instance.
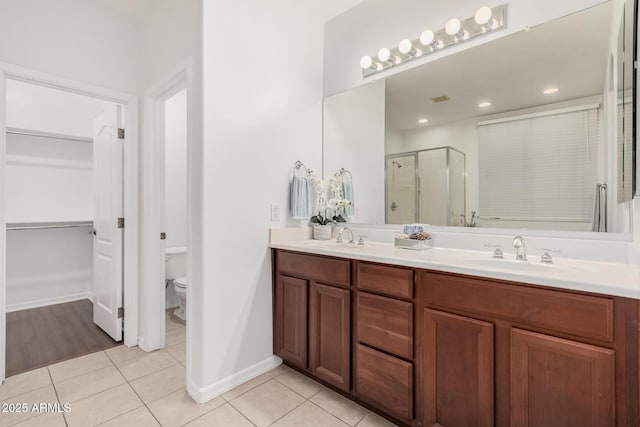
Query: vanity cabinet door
329,334
290,338
457,381
560,382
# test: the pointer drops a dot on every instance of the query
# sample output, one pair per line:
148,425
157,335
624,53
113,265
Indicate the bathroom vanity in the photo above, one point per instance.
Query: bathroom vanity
423,344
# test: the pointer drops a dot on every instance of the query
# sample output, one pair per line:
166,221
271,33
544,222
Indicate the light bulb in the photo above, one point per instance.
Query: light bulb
384,54
453,26
483,16
405,46
366,62
427,37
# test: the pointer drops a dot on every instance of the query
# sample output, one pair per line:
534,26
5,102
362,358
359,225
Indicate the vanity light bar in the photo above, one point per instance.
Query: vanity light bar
455,31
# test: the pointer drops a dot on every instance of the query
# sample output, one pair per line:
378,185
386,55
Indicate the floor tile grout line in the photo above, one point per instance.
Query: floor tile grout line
144,404
366,411
288,412
84,373
242,415
335,416
150,373
55,390
298,393
119,415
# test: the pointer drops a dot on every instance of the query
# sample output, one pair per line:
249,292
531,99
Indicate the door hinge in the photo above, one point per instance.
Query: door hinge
121,313
120,133
163,236
120,222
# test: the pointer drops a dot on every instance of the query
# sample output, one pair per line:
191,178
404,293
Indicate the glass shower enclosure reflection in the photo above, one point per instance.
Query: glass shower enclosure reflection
426,186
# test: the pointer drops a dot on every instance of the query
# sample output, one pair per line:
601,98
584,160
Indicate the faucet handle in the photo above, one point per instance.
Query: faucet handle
497,253
361,239
546,255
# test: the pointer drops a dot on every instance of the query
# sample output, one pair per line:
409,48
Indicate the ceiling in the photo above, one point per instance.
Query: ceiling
570,53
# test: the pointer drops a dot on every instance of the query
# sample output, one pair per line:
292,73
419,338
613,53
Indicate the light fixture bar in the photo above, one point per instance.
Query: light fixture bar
469,29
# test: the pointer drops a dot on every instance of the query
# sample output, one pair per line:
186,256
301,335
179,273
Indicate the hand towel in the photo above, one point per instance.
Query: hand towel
300,199
347,193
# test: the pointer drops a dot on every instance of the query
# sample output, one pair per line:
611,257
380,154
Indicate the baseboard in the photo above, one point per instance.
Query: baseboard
204,394
49,301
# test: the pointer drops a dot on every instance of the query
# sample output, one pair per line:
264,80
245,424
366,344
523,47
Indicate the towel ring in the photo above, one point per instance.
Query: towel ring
343,172
299,165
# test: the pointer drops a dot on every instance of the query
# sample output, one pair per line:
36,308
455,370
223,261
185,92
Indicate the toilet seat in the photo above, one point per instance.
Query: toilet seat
181,282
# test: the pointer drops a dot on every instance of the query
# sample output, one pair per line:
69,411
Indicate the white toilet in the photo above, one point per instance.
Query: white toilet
180,286
175,275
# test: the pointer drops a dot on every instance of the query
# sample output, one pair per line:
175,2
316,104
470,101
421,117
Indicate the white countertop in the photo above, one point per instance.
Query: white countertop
589,276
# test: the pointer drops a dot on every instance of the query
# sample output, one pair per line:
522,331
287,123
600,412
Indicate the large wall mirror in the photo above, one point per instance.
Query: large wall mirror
532,130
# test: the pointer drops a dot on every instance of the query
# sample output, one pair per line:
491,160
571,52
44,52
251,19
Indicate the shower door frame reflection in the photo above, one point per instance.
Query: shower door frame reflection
416,198
415,154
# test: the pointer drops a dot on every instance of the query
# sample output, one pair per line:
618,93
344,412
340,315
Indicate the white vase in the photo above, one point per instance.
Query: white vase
322,232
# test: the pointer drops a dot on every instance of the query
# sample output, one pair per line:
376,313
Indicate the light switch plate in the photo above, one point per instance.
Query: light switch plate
275,212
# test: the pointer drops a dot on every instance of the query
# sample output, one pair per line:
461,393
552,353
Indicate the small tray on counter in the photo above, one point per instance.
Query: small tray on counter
417,245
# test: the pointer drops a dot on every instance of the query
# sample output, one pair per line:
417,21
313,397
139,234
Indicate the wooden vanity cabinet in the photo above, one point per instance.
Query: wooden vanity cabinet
439,349
507,354
312,309
330,334
290,320
383,341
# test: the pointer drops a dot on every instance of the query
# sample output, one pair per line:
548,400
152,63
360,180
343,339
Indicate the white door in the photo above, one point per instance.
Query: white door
107,246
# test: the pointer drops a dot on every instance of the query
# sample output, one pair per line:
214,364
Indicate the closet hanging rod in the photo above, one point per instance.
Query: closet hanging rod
52,135
47,225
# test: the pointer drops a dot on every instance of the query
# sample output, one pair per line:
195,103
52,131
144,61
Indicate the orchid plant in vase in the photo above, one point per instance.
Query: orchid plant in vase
338,203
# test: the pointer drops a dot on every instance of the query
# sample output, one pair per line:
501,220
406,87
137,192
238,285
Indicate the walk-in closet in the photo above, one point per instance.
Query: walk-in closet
50,211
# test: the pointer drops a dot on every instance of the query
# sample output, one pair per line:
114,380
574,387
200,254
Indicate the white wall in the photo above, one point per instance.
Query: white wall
381,23
45,109
263,111
354,140
75,39
48,180
48,266
176,170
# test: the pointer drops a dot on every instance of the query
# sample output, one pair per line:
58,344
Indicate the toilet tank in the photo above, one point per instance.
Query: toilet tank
175,262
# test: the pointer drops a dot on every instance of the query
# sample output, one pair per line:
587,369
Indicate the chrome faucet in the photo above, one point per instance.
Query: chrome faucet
518,243
341,231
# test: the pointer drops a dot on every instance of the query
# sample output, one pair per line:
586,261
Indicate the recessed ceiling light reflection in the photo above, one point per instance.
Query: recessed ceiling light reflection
550,91
484,104
423,121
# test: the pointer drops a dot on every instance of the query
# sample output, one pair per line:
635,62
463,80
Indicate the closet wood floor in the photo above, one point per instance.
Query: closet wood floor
42,336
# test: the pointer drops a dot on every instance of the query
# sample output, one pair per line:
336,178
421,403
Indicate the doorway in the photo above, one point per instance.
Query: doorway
43,169
167,235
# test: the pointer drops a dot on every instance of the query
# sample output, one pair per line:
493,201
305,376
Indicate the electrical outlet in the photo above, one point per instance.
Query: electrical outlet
275,212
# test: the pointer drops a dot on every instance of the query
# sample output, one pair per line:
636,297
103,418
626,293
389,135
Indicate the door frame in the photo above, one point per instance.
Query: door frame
152,307
130,272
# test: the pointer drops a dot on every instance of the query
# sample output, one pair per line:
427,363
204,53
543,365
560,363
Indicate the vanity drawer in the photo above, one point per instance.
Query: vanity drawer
385,382
383,279
386,324
316,268
574,314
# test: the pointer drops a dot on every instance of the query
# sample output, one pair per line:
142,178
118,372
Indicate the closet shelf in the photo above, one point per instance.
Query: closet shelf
49,224
29,132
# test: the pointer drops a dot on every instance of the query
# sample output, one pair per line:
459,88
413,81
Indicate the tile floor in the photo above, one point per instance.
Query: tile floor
128,387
